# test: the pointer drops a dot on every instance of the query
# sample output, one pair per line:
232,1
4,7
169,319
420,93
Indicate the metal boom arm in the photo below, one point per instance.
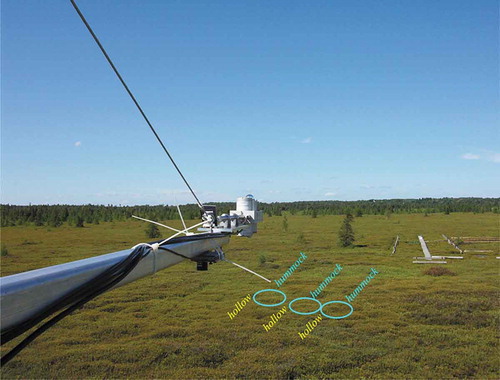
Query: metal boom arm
25,294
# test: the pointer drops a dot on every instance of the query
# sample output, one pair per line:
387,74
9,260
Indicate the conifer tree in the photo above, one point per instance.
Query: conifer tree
285,223
152,231
346,232
78,221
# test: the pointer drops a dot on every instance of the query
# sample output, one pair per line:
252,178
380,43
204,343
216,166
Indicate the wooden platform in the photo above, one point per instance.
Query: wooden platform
478,239
478,250
438,257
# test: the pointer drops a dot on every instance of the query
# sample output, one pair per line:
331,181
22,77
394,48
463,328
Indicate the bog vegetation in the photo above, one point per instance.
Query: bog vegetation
405,324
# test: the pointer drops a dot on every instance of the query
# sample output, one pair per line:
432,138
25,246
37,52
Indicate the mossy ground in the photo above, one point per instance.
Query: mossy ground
175,325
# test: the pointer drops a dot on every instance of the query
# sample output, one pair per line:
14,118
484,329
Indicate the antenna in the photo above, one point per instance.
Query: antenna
180,214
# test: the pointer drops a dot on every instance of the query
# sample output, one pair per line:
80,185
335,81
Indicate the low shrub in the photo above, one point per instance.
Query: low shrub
301,238
28,242
439,271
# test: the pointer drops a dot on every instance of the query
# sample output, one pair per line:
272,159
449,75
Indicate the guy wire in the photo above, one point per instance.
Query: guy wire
134,100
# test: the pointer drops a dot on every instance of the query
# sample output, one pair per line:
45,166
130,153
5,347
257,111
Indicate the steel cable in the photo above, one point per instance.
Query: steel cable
134,100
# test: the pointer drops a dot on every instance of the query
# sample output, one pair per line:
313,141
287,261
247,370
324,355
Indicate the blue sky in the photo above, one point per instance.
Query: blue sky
288,100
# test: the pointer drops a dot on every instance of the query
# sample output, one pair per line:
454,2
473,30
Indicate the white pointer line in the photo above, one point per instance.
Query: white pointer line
248,270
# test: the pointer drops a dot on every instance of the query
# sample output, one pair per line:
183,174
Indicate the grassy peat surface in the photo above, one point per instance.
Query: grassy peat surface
405,324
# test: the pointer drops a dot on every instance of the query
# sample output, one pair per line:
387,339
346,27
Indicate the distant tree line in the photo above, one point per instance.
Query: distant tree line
56,215
384,206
